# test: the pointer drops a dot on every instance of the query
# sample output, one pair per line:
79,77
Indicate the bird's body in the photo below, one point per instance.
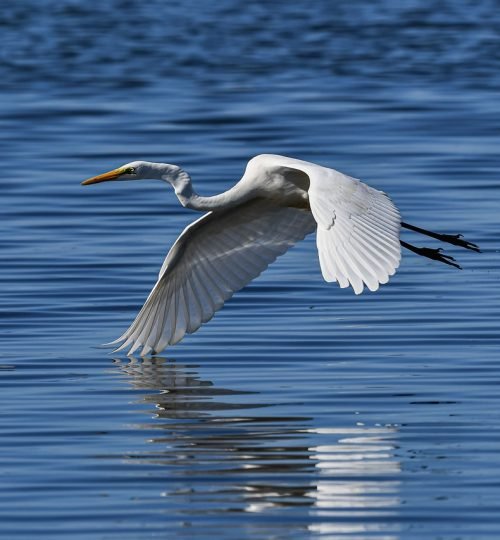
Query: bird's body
277,202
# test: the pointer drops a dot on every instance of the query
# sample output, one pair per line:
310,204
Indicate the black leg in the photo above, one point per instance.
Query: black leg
455,239
434,254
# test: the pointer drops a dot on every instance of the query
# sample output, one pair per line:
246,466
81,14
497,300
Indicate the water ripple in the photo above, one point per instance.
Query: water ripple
301,410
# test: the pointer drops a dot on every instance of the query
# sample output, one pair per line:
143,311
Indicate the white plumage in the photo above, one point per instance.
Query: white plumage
277,202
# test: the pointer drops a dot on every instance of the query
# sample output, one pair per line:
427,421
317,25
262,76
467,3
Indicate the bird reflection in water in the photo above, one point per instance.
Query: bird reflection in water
223,453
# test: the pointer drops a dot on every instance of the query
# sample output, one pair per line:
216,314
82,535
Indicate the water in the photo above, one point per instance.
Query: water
300,411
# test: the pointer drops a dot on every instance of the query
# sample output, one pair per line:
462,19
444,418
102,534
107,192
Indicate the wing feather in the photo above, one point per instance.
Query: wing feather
204,298
194,308
375,262
180,313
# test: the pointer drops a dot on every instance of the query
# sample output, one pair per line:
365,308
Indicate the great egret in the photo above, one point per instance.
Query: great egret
277,202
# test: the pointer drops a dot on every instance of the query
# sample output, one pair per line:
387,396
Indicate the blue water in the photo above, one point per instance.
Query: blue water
300,411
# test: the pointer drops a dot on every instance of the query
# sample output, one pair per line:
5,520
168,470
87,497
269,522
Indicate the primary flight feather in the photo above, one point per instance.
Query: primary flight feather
277,202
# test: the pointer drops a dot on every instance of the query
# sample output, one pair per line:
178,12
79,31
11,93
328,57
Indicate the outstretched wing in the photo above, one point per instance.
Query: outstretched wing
213,258
358,230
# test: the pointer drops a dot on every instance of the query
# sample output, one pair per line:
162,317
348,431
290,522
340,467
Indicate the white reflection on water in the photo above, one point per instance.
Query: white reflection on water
356,479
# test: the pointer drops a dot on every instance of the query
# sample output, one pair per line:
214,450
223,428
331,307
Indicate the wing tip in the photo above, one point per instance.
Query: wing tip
147,350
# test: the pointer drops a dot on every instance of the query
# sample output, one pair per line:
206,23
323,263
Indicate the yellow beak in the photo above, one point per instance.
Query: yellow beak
111,175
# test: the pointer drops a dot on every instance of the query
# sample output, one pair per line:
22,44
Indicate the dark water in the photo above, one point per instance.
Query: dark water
300,411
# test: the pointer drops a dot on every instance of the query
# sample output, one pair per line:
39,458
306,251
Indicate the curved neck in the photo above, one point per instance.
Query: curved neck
183,187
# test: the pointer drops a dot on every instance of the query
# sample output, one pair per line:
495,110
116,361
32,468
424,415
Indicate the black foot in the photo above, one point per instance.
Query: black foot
458,240
455,239
438,255
434,254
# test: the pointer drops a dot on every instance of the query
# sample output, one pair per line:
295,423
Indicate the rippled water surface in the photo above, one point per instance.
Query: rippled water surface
301,410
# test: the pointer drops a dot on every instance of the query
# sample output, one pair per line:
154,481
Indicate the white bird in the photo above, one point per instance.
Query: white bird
278,201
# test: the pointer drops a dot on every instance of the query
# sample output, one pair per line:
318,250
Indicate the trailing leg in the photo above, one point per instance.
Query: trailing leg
455,239
434,254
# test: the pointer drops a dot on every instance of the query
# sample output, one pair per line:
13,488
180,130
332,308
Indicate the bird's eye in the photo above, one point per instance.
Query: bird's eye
130,170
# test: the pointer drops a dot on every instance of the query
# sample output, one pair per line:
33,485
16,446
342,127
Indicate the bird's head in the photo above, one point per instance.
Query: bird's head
138,170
